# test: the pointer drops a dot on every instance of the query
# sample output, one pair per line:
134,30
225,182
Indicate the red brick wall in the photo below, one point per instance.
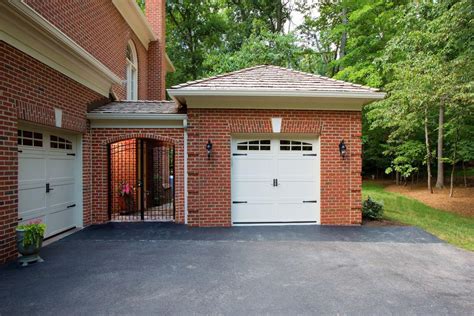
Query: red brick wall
29,91
101,137
156,13
100,29
209,181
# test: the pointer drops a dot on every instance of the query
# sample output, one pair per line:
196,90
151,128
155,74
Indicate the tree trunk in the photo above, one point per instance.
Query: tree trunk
440,175
428,152
397,178
451,186
464,174
342,50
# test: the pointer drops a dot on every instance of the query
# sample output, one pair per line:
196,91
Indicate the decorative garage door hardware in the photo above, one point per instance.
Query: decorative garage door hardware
239,202
71,154
275,182
314,155
72,205
311,201
239,154
48,188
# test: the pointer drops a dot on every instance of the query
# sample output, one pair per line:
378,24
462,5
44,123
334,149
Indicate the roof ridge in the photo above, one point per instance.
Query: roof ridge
189,83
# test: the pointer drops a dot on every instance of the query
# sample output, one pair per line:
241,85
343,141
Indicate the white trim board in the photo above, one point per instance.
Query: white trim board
23,28
274,102
137,21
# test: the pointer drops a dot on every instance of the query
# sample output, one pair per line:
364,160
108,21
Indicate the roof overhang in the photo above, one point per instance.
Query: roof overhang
137,21
169,64
137,120
271,99
26,30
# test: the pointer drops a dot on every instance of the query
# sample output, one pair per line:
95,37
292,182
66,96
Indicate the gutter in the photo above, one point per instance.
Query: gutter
272,93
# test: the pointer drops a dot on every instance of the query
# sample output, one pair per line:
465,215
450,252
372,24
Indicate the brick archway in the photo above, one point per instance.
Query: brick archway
96,209
114,139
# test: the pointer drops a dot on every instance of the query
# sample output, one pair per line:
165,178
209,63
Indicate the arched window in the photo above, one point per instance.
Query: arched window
132,72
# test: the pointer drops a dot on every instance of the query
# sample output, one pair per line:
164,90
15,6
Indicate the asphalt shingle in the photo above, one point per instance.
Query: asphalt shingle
272,78
140,107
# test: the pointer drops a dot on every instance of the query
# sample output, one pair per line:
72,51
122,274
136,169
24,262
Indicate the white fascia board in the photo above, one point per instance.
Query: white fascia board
137,21
137,116
23,28
272,93
169,64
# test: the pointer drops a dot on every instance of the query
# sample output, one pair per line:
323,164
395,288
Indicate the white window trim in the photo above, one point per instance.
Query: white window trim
132,73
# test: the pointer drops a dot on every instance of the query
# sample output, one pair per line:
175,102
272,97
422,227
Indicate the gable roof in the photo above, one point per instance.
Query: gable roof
272,78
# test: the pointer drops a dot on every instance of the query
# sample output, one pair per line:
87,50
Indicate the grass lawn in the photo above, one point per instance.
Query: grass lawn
453,228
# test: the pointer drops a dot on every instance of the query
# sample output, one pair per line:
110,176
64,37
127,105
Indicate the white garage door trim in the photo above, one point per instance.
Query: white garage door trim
275,180
43,150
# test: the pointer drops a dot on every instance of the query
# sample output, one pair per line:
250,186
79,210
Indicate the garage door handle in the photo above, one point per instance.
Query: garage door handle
72,205
48,188
239,202
310,201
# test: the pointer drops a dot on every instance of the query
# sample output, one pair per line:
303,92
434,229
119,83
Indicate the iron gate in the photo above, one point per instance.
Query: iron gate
141,180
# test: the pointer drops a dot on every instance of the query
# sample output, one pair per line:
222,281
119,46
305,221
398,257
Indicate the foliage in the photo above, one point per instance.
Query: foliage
372,209
419,52
453,228
34,233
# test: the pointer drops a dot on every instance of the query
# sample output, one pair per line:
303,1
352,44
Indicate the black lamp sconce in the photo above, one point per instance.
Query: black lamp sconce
209,149
342,149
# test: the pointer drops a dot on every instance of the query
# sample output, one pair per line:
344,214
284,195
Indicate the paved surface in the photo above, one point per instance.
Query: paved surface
147,268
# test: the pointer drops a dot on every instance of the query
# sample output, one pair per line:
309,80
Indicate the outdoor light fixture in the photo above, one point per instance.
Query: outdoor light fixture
209,149
342,149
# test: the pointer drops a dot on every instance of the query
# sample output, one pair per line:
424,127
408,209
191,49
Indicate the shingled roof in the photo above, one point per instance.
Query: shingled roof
139,107
272,78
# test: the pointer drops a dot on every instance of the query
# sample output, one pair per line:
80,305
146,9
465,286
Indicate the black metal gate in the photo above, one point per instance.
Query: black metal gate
141,180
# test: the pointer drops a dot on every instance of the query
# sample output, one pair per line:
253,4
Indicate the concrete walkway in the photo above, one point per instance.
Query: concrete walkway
148,268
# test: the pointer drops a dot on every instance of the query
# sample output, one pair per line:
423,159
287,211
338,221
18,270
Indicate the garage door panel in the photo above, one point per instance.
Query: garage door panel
60,167
253,212
253,189
296,211
252,167
59,221
31,167
293,168
296,189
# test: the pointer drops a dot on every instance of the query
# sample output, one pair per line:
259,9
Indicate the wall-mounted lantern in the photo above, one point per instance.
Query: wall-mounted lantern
342,149
209,149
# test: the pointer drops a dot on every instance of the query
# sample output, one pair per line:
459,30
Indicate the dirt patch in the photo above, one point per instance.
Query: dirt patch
461,203
380,223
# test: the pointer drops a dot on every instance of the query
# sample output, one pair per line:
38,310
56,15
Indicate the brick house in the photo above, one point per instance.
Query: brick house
87,135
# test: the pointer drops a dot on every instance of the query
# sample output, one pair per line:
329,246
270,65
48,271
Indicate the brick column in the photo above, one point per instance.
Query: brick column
156,15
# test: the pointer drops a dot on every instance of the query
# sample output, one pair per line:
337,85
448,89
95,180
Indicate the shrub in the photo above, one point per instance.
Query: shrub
372,209
34,232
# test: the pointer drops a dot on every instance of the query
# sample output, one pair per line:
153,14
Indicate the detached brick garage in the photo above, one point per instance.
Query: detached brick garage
275,159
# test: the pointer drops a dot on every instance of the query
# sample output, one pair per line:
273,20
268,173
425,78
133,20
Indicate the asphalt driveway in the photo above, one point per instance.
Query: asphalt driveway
147,268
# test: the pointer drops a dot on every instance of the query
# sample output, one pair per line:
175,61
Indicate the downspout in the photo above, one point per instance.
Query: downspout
185,145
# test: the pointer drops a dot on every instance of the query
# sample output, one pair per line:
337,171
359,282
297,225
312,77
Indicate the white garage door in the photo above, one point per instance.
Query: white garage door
275,181
47,179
